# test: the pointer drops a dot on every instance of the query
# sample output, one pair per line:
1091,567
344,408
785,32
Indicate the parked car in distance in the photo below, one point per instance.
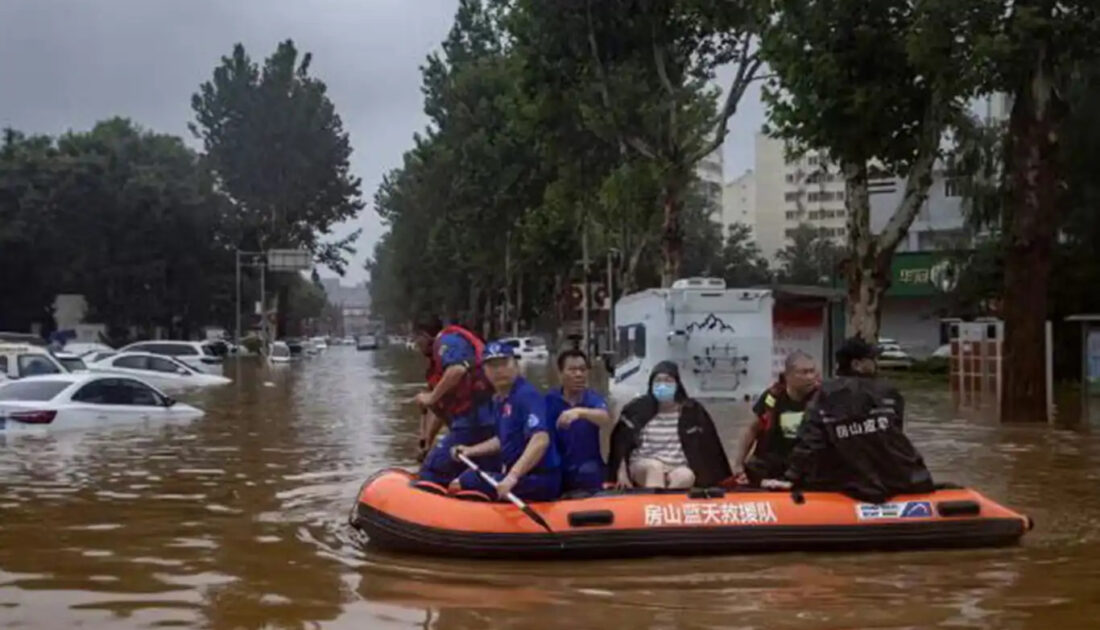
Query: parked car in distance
73,363
159,370
529,348
73,401
366,341
200,355
81,348
280,353
92,357
20,360
891,355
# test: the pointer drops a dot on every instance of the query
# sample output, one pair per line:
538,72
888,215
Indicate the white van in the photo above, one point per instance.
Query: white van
19,359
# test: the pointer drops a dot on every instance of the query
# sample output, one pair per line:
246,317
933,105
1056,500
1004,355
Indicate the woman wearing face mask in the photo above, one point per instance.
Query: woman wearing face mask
666,440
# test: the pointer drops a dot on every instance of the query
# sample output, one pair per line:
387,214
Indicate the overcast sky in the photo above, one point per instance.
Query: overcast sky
65,64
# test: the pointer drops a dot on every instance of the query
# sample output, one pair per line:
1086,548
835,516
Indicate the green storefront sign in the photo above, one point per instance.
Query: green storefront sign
922,274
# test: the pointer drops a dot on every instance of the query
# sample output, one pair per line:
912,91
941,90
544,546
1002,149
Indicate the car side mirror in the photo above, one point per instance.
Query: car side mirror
169,401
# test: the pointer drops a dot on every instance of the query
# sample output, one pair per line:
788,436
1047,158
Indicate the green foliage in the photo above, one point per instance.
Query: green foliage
809,258
873,84
554,123
277,146
126,217
743,265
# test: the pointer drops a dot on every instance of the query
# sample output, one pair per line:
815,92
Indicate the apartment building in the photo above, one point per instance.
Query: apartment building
739,202
710,172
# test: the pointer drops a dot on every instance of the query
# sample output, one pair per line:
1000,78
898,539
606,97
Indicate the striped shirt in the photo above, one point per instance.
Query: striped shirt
661,440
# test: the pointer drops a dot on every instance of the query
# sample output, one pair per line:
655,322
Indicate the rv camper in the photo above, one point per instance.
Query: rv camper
722,339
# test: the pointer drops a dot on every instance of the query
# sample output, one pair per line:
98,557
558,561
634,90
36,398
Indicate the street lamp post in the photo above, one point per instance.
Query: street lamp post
255,259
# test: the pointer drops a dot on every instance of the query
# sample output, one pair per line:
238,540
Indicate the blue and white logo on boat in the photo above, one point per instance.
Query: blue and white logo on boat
917,509
902,509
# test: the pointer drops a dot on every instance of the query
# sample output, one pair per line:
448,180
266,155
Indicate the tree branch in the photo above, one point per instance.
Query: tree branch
747,70
918,181
634,142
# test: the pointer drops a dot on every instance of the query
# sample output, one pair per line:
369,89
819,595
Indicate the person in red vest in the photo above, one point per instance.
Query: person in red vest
457,391
765,446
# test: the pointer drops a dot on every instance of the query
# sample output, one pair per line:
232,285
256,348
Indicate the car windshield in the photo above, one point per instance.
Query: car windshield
37,391
536,342
36,364
73,364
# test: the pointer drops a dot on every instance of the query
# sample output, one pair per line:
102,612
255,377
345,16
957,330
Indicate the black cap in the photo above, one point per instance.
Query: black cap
854,349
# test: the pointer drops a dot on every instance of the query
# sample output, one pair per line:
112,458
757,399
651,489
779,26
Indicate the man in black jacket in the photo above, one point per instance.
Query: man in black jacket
852,440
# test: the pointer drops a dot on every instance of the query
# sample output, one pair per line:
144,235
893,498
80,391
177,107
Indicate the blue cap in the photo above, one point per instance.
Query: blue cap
498,350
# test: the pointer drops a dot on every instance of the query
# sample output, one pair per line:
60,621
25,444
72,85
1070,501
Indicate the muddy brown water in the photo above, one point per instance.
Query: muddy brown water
238,520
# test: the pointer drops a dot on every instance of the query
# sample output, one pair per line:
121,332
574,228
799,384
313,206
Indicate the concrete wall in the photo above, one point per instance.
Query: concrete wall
913,322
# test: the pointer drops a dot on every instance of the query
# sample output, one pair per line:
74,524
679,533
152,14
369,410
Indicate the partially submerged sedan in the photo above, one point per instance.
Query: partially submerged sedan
82,401
159,370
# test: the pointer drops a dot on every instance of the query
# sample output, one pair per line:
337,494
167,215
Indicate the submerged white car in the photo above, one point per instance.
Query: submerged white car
529,348
159,370
199,355
280,353
19,360
82,401
72,362
891,355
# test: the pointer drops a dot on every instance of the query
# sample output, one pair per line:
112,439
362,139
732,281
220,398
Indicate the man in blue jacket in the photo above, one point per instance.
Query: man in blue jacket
530,467
577,413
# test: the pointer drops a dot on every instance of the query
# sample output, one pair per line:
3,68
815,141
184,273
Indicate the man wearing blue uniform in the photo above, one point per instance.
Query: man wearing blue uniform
530,467
457,396
578,413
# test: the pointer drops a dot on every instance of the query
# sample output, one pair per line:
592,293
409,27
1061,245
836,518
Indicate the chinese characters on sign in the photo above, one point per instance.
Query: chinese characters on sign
870,425
915,276
747,513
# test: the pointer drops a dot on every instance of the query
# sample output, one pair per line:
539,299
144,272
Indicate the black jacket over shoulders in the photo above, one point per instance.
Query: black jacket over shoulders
698,436
852,442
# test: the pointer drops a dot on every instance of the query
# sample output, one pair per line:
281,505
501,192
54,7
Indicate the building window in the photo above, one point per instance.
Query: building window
840,231
792,196
790,233
814,160
791,215
790,178
840,195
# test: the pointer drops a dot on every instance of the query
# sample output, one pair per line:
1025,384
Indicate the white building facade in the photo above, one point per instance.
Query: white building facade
739,203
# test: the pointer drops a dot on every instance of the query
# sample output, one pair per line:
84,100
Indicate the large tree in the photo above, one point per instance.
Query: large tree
645,71
279,150
126,217
874,84
1032,50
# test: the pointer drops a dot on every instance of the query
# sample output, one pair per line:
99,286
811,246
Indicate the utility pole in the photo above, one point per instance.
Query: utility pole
519,306
612,337
507,283
237,339
263,309
584,268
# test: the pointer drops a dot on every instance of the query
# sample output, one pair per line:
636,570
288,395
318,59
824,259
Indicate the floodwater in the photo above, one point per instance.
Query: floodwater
238,520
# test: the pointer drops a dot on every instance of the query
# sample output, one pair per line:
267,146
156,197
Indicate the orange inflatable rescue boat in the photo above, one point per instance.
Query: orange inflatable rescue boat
397,513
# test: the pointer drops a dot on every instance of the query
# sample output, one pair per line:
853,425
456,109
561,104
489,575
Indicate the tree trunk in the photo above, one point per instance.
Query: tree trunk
1034,173
866,275
672,235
